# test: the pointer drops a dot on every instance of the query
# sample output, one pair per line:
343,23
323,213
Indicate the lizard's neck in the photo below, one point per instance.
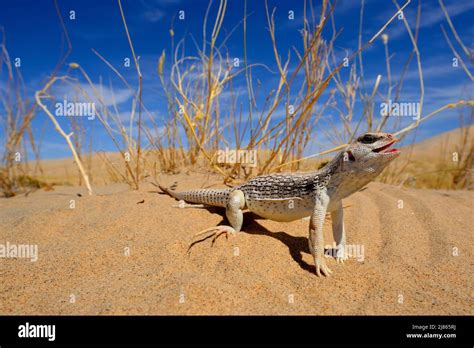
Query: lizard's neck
342,183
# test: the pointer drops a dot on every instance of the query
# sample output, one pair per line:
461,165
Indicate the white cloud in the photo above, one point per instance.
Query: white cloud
154,15
431,14
434,14
155,10
96,93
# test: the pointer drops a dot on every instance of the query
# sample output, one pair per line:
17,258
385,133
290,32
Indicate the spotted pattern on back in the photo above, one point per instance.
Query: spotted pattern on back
283,186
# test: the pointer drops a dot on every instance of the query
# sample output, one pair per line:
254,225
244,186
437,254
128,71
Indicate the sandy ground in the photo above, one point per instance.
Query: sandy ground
408,266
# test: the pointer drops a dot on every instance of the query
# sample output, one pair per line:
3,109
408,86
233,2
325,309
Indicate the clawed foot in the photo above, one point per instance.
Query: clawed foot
341,259
341,254
321,267
213,232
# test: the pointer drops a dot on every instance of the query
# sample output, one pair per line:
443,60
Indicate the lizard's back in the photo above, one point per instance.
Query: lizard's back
281,197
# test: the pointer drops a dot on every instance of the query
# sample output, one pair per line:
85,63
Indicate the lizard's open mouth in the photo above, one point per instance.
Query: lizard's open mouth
385,147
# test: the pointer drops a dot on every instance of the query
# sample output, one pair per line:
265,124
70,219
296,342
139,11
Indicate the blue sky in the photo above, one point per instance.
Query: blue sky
33,33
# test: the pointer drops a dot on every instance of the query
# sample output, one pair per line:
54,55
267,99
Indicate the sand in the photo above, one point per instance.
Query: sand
111,255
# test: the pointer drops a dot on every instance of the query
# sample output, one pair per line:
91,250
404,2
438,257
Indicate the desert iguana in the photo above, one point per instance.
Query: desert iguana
292,196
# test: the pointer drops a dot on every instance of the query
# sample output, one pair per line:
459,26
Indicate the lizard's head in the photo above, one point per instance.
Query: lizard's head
370,154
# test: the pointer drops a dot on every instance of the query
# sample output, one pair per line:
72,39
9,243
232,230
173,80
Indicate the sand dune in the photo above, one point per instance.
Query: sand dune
453,140
443,161
408,265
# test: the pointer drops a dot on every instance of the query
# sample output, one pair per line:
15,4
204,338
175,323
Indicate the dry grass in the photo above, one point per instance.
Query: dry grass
17,112
200,117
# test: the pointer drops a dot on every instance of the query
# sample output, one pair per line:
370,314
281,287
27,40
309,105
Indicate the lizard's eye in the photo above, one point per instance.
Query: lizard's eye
367,139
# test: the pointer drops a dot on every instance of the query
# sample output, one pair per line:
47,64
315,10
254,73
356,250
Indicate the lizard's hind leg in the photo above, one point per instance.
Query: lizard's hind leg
234,214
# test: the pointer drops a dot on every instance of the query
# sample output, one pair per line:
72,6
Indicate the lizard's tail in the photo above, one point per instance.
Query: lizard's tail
214,197
176,195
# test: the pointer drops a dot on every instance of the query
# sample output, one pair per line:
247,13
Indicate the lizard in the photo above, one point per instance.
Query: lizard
291,196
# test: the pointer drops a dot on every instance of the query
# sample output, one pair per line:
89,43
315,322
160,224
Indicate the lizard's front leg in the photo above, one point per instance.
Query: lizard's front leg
339,232
316,239
233,210
234,214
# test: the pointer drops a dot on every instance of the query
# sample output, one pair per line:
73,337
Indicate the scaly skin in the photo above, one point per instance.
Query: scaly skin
292,196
